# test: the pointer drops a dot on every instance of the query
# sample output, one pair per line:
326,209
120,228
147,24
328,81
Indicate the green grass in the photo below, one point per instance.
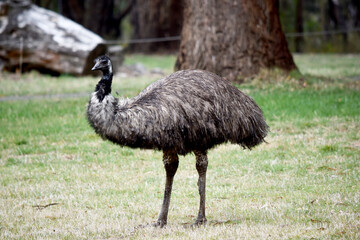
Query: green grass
165,62
302,184
329,65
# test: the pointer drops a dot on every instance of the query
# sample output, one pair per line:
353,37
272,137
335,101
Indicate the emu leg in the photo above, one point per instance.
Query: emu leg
201,167
171,163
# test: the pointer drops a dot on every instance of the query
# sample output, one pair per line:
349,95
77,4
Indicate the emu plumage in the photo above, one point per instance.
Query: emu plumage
187,111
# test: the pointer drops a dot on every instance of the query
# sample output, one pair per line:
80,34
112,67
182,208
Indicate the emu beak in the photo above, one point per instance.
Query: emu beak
96,66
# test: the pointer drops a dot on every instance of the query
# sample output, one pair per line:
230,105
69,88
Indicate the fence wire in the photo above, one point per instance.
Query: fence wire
178,37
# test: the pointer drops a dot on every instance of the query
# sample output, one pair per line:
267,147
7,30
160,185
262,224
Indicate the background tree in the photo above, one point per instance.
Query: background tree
163,18
299,40
156,19
234,39
102,17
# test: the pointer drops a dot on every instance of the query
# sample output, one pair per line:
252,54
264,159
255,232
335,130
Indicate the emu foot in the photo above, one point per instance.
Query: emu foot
199,222
159,223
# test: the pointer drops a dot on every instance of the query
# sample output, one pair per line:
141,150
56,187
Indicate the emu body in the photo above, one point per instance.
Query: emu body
187,111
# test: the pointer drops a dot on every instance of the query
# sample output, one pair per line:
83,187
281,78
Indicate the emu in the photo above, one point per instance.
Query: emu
187,111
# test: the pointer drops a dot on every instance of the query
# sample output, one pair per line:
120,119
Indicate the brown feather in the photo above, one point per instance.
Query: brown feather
190,110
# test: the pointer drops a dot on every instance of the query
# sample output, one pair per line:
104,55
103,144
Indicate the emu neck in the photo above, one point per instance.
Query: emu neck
103,88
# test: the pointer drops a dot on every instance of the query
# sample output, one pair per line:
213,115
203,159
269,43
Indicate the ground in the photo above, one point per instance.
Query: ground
61,181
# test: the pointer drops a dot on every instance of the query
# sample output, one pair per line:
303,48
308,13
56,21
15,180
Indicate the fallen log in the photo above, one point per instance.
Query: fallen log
35,38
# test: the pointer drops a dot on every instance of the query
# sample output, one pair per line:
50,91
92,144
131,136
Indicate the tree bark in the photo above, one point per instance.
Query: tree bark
234,38
35,38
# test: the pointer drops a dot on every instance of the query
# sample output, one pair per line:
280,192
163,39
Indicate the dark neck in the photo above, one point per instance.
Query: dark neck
103,88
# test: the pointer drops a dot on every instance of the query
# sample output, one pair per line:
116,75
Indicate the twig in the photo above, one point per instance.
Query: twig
21,54
41,207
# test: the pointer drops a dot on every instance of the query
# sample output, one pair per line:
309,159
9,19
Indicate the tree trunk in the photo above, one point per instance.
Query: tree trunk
234,38
98,16
156,19
299,40
73,10
356,5
102,17
35,38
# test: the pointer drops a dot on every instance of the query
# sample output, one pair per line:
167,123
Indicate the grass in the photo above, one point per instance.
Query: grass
329,65
165,62
302,184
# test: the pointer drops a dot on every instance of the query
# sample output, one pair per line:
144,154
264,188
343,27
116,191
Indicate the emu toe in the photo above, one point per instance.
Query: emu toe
199,222
159,223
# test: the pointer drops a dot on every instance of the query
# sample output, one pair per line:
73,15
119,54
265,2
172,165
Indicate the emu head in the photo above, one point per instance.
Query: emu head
103,64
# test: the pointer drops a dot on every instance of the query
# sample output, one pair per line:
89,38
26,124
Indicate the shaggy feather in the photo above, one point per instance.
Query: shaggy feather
189,110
